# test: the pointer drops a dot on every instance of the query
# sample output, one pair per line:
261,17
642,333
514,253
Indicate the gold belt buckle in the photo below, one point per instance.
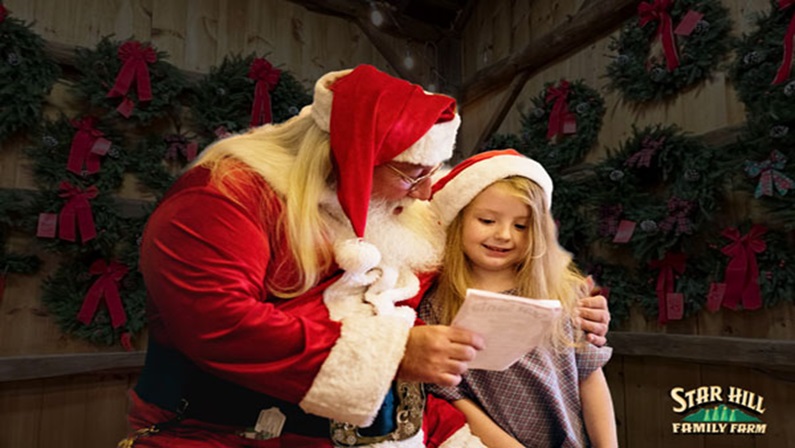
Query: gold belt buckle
410,406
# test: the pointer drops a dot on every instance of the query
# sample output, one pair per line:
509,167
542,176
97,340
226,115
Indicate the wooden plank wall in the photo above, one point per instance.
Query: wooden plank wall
89,410
640,385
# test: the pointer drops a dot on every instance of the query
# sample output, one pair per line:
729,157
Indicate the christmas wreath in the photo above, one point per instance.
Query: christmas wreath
751,267
26,72
96,293
14,214
159,160
98,297
568,199
762,71
244,92
655,192
694,36
765,167
563,124
128,80
652,200
619,286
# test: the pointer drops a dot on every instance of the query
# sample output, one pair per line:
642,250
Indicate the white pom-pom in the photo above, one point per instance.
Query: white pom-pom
356,256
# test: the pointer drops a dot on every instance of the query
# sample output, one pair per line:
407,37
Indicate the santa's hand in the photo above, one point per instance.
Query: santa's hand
438,354
594,319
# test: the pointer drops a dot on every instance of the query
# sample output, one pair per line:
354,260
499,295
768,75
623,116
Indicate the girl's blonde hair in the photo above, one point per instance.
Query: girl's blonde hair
547,271
292,157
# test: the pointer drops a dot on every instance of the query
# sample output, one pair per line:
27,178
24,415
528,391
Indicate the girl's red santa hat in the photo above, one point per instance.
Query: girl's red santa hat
463,183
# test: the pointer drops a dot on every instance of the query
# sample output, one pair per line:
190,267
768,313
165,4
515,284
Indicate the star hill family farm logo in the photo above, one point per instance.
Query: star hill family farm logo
714,416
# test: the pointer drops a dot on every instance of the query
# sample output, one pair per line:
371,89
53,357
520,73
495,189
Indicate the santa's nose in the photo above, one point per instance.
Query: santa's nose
422,190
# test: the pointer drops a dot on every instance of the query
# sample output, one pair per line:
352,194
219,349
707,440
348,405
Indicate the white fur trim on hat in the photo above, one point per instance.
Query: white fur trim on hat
435,146
462,189
321,103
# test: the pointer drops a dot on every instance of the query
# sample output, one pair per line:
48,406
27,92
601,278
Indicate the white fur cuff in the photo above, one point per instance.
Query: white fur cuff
357,374
463,438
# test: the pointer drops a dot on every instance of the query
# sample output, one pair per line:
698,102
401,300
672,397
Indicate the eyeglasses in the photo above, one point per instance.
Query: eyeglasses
413,182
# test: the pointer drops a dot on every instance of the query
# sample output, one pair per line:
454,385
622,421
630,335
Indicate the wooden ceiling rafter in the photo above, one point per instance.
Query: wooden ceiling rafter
595,18
395,24
387,50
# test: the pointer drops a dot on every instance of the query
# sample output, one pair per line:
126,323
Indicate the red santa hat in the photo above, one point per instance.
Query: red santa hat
459,187
374,118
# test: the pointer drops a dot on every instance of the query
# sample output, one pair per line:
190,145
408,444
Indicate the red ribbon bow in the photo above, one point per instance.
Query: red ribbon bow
77,208
266,77
678,218
658,11
83,141
786,62
648,149
3,13
610,216
560,114
742,272
107,286
136,58
672,262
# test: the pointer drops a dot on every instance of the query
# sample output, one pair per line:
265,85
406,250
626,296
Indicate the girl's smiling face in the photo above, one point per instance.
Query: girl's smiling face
495,231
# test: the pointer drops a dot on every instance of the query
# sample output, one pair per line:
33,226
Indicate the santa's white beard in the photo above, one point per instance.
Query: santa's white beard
412,239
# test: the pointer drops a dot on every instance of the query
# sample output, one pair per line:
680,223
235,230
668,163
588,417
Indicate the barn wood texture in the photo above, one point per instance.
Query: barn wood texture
57,391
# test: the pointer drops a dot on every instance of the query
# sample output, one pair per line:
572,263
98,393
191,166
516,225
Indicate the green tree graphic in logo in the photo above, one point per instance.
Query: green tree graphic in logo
720,413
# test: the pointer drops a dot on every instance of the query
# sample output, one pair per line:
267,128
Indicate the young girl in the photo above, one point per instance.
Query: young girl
501,237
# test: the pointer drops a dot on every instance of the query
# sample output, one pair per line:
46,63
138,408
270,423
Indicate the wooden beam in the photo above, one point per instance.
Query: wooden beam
508,99
394,25
705,349
596,19
19,368
464,15
387,50
64,55
759,353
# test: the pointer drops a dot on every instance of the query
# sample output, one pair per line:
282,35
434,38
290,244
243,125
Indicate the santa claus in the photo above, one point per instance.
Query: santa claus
282,272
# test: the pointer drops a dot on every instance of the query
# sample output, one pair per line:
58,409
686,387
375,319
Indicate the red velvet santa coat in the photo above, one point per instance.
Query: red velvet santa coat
210,260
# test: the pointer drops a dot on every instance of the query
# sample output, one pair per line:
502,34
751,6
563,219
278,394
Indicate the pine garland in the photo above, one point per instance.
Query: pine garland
27,75
99,68
764,166
50,149
619,285
223,98
64,294
753,71
639,78
568,200
692,283
587,108
15,214
158,161
774,262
